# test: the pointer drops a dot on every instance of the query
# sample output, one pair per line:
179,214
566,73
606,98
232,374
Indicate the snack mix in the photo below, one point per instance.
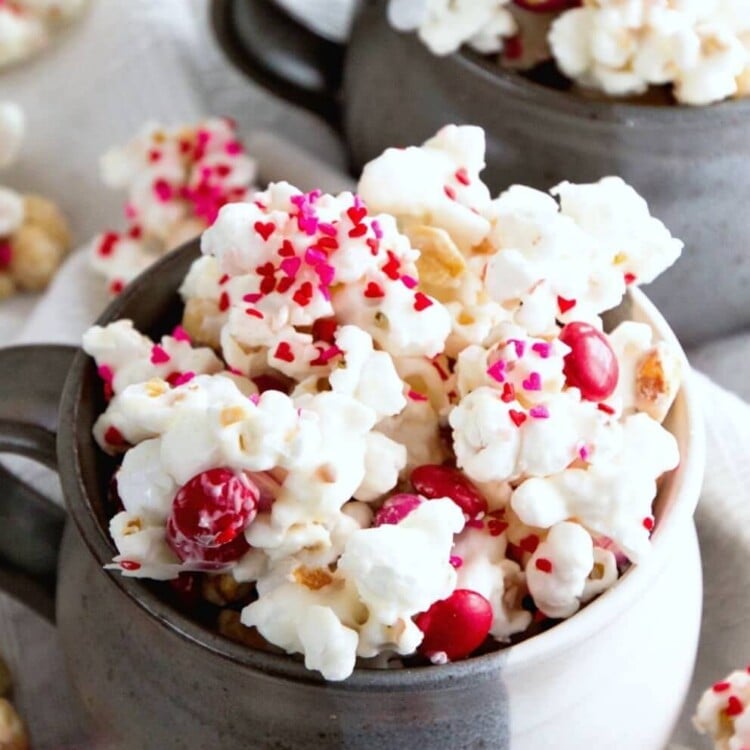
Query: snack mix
176,181
724,712
34,236
698,48
391,425
27,26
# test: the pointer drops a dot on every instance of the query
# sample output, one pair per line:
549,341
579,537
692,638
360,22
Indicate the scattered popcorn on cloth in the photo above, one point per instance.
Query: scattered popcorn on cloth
34,235
394,419
701,50
27,26
723,712
176,180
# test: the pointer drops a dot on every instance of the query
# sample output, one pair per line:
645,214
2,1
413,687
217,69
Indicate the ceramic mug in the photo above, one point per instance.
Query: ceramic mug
691,164
614,675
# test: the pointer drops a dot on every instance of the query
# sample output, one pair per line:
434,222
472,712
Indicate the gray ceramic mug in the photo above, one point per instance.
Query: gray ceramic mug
151,678
691,164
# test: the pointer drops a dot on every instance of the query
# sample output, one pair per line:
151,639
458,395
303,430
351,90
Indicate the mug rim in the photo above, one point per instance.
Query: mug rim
616,111
598,613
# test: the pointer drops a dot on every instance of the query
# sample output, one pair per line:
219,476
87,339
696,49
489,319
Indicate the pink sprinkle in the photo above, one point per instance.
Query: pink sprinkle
130,212
542,348
376,228
180,334
450,192
533,382
163,190
183,377
290,266
105,373
158,355
583,452
325,272
416,396
456,561
409,281
325,227
313,256
234,370
307,224
253,297
233,148
313,195
496,371
326,355
520,347
325,291
539,412
255,398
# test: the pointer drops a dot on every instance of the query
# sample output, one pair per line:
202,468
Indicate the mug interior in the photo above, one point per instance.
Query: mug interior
154,305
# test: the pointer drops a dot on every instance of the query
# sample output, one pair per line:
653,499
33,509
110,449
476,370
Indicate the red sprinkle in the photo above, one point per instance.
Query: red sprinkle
630,278
135,232
158,355
518,417
284,352
565,304
358,231
462,176
324,329
450,192
356,214
264,229
373,244
116,286
130,565
114,437
374,291
223,302
543,564
106,244
287,249
648,523
223,280
163,190
421,301
254,313
509,393
721,687
734,706
304,294
606,408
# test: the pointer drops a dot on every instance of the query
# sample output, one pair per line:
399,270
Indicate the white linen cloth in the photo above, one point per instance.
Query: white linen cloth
133,60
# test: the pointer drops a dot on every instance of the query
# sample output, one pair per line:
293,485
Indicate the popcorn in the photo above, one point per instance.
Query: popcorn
649,374
176,180
723,712
612,498
623,46
21,35
372,470
126,357
444,26
558,570
485,569
434,185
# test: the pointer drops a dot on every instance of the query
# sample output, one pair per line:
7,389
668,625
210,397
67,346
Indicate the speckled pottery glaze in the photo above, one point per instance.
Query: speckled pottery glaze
149,678
691,164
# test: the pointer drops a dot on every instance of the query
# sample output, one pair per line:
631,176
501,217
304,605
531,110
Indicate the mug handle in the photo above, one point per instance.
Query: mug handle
280,54
31,525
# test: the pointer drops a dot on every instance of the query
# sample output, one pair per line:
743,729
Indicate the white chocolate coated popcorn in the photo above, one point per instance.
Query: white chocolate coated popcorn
11,211
557,572
444,26
723,712
623,46
436,184
612,497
